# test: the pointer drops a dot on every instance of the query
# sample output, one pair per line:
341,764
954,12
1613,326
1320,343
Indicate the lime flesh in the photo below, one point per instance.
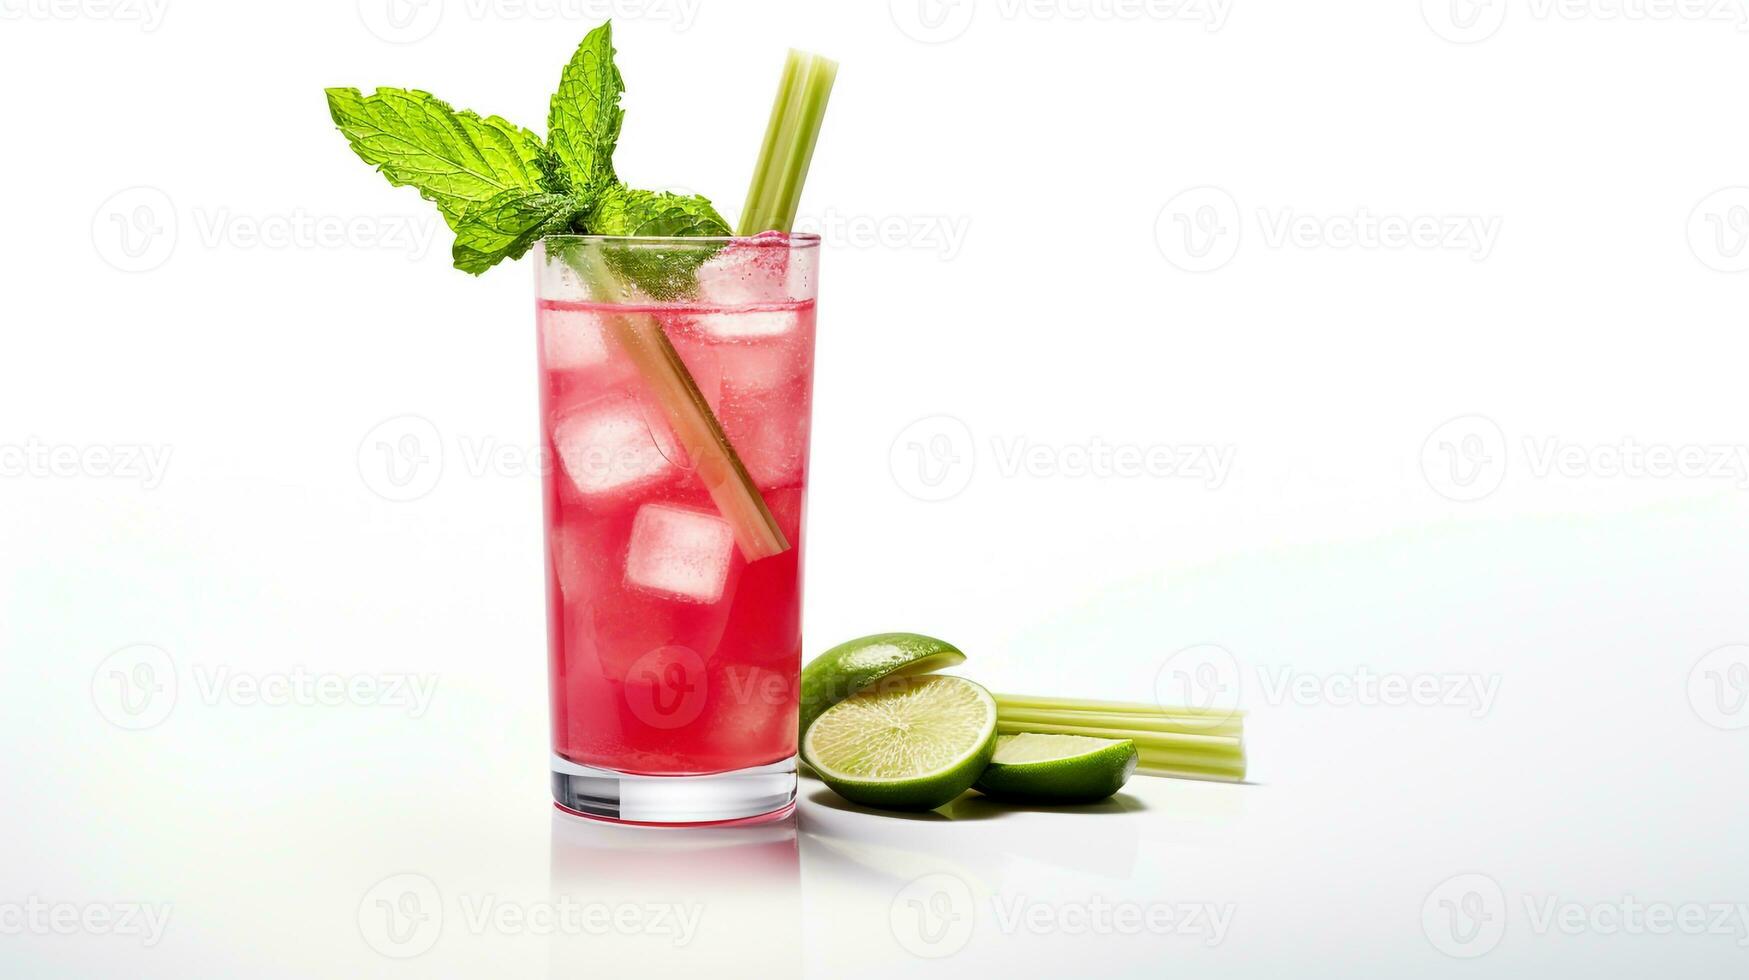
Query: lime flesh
1034,768
850,667
911,744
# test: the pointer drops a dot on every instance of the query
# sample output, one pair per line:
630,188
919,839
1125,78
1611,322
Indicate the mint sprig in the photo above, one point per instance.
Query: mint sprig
501,188
584,118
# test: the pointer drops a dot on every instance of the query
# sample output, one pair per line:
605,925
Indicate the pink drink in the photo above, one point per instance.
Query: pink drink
672,654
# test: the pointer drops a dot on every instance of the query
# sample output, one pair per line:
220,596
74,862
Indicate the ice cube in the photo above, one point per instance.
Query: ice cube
568,550
707,375
606,446
572,339
750,324
752,710
679,553
770,433
702,359
746,274
752,351
741,368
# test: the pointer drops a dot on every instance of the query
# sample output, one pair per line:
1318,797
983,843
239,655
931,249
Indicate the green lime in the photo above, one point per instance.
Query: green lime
849,667
911,744
1030,768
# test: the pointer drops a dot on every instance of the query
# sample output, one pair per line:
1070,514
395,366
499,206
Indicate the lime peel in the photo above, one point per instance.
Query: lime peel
1038,768
857,664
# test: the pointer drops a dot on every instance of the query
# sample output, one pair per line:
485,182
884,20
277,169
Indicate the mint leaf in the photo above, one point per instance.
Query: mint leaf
509,224
621,210
456,159
660,273
584,118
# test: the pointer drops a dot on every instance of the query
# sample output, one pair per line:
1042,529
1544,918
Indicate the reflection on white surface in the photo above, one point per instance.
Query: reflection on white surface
656,901
970,831
978,887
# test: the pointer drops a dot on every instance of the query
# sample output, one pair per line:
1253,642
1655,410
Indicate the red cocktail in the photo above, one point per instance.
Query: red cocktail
676,382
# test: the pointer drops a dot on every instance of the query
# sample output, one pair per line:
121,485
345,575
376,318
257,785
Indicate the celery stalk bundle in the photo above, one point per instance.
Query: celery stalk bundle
1194,743
776,189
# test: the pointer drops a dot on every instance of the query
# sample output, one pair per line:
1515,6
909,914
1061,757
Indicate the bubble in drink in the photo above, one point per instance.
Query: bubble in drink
606,447
679,553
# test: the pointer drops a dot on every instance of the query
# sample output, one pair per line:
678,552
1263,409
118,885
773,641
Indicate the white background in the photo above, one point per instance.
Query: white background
1506,458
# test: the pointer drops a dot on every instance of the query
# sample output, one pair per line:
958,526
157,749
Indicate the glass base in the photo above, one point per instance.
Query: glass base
720,797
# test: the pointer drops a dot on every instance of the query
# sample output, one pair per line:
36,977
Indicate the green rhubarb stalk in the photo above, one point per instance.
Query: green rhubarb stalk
1107,707
776,189
689,416
1184,724
1189,742
1123,714
696,427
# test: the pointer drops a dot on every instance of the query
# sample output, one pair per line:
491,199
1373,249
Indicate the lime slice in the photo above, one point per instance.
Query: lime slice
1057,768
849,667
911,744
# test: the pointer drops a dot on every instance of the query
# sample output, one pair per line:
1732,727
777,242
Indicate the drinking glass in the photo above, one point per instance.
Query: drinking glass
676,386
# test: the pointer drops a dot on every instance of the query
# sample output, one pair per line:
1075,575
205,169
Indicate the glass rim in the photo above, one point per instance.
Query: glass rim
794,239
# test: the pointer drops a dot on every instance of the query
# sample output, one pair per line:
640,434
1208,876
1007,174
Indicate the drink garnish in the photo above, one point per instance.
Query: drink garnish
776,189
501,189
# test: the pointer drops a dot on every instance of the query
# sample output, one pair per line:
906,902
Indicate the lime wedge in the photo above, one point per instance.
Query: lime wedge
849,667
912,744
1057,768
